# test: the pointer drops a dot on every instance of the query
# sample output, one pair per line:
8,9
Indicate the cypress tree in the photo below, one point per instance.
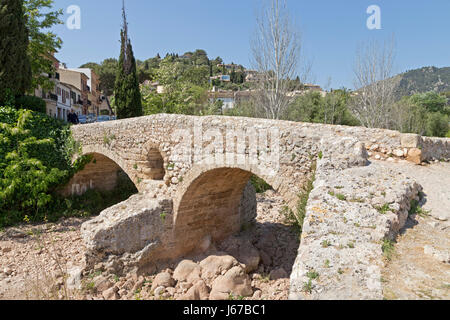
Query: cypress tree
15,68
126,90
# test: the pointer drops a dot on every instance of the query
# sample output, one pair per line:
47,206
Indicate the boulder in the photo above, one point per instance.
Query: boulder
415,155
111,294
199,291
214,266
102,283
244,252
279,273
187,271
74,278
163,279
235,282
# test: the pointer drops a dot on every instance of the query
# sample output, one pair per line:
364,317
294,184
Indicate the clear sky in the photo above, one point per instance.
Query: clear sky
332,30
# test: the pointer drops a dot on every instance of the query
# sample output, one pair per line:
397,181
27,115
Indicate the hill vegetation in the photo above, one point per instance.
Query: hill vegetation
423,80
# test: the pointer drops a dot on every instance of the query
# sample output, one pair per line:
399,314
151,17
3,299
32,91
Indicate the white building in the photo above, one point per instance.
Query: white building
64,104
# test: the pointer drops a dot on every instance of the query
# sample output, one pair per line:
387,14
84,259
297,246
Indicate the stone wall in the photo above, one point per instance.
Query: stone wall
351,212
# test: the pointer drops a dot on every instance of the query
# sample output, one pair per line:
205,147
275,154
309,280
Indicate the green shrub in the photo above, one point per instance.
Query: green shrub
437,125
31,103
35,159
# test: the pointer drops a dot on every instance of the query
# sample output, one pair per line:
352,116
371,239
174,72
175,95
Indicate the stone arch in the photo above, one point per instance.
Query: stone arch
103,173
208,200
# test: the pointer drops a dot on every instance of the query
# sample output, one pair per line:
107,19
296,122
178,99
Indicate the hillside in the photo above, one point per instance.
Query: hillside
423,80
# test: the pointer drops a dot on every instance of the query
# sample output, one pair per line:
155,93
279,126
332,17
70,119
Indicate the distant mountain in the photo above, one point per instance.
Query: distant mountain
422,80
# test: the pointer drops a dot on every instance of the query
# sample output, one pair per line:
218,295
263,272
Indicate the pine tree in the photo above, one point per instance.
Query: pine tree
15,68
126,91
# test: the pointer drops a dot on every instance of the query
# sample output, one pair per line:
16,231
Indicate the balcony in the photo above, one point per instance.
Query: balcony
49,96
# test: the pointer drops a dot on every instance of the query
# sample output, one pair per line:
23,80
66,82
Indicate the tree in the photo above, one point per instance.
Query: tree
43,42
15,68
373,101
276,53
127,92
432,101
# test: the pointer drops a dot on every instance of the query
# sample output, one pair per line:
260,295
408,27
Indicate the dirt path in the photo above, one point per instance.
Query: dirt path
420,265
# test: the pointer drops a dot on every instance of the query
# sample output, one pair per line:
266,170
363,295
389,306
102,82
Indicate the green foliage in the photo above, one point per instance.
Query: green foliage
388,248
384,209
431,101
35,158
425,114
307,286
15,67
423,80
259,184
106,72
331,109
43,41
297,219
31,103
312,274
417,209
126,89
437,125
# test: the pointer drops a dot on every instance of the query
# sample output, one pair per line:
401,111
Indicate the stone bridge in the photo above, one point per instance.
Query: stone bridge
192,174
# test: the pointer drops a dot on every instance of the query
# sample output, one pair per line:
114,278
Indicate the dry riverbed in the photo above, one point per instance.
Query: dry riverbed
36,262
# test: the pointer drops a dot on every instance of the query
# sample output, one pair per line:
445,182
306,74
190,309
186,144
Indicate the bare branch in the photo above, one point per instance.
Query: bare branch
276,50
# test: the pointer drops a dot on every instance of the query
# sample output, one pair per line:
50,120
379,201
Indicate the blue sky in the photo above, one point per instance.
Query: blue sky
332,30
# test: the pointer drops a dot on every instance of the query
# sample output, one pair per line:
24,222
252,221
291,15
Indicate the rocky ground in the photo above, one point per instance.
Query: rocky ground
40,262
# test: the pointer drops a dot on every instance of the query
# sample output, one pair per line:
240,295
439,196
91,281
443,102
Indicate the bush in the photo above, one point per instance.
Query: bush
437,125
31,103
35,158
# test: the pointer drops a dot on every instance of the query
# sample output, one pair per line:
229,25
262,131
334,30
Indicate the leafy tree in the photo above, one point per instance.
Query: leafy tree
331,109
127,92
15,68
437,125
424,114
106,72
432,101
41,18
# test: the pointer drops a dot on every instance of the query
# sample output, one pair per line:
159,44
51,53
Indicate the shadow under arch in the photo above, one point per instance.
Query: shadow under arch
105,172
208,203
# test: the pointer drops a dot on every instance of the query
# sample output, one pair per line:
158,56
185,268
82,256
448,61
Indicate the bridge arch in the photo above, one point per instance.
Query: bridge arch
104,172
208,202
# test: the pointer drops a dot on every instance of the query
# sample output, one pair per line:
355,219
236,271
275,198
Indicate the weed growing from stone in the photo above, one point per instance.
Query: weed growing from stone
307,287
325,244
385,208
417,209
388,249
312,275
